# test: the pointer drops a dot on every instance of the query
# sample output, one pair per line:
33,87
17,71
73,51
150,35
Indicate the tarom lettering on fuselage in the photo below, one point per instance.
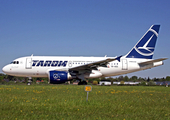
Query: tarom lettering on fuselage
49,63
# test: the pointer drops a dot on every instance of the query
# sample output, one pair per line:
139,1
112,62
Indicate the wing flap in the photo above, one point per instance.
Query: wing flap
94,65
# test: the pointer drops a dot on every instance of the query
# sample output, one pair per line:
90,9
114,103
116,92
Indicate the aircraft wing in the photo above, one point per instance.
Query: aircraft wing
151,61
94,65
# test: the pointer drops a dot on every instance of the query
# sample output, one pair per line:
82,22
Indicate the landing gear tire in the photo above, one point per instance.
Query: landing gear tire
28,83
82,83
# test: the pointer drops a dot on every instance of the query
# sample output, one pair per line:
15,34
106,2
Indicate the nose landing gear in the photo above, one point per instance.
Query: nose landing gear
29,81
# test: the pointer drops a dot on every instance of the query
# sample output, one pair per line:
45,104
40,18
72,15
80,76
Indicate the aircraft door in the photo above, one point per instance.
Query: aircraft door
124,64
28,63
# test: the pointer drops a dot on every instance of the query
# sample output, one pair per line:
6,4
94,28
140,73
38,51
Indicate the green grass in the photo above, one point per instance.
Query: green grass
68,102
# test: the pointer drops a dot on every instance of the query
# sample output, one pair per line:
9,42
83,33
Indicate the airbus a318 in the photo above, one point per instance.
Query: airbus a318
60,69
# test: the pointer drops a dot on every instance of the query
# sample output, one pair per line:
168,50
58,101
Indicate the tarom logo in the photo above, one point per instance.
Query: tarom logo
149,50
56,76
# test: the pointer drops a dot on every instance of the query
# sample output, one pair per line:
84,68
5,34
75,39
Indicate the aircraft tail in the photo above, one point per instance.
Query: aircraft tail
146,45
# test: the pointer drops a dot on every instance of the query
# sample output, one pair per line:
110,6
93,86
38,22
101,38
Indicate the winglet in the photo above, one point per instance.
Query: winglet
118,58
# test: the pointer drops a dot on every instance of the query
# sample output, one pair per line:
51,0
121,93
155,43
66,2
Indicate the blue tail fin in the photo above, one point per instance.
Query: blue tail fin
146,45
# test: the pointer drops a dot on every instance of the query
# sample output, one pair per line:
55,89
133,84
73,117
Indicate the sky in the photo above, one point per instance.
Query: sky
82,28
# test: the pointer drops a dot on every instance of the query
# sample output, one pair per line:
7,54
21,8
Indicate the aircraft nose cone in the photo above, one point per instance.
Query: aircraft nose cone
5,69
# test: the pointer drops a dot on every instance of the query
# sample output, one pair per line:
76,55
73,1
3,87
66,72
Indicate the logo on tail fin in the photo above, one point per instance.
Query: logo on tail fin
146,45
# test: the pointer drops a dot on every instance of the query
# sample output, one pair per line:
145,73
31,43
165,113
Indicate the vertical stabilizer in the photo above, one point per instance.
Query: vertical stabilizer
146,45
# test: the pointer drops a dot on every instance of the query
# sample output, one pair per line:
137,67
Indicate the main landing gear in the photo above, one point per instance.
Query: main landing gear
82,83
82,80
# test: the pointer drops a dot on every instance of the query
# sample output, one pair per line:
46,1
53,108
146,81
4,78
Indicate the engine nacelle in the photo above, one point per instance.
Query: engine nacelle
58,76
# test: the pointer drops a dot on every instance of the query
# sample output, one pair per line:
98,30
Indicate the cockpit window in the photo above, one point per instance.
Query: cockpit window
15,62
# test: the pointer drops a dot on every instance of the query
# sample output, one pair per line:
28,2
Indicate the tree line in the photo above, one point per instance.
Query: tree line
4,77
131,79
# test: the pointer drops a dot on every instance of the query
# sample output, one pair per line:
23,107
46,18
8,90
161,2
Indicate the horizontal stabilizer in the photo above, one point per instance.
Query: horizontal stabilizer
151,61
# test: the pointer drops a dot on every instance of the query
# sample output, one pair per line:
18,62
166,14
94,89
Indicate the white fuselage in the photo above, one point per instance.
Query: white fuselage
38,66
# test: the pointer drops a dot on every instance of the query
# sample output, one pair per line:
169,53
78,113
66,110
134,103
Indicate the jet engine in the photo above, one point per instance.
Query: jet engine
58,76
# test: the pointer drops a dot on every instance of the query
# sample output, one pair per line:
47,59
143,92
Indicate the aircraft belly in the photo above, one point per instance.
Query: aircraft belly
110,71
34,72
119,71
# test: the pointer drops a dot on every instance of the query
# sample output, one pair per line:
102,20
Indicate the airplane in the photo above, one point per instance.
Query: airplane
60,69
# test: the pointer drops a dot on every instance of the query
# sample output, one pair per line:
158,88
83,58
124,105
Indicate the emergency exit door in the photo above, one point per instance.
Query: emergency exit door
70,63
124,64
